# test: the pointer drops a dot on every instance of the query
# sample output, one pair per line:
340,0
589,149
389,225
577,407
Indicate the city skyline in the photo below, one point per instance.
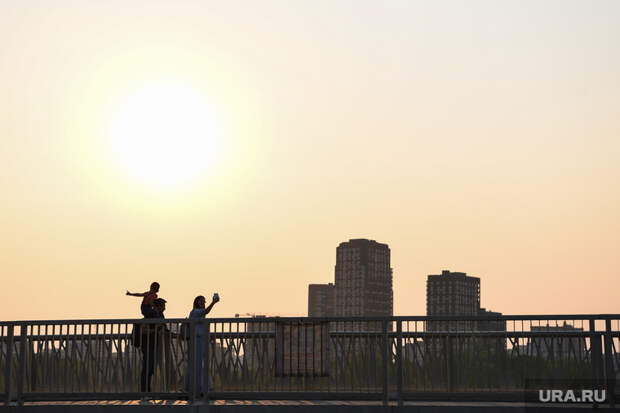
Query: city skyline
228,147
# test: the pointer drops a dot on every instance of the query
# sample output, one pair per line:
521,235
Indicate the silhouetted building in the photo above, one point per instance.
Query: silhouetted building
321,300
259,350
363,280
490,325
301,348
452,294
294,348
493,326
557,344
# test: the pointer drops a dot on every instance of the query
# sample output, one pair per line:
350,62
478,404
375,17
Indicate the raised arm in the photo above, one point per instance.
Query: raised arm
135,294
208,309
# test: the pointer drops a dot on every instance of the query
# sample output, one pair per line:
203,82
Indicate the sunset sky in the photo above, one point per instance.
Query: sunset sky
230,146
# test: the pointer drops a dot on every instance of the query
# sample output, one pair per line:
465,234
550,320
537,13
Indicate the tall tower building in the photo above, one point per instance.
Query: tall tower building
363,279
452,294
321,300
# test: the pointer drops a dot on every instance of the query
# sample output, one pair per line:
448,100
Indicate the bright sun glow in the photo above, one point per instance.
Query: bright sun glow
165,134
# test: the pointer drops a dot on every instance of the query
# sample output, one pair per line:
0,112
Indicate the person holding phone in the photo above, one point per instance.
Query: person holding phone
199,311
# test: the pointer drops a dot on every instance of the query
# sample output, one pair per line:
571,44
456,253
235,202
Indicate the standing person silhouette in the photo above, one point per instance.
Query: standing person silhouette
151,343
199,311
149,297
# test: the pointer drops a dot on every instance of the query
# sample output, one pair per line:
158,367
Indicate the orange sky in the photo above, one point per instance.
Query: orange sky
480,137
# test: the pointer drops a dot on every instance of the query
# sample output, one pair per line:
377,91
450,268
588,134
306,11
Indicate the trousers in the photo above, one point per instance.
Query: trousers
148,363
198,366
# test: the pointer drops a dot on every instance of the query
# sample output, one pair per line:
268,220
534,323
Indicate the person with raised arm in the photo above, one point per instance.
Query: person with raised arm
199,311
148,297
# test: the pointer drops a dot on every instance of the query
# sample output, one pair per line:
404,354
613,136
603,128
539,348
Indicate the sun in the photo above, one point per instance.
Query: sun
165,134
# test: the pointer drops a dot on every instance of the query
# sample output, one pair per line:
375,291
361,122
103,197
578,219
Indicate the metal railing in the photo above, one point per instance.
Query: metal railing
490,358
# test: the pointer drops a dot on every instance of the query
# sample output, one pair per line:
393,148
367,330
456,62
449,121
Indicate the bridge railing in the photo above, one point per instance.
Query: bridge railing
493,358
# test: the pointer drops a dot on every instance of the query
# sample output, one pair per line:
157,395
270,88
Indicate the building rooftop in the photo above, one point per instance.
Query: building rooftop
363,241
448,274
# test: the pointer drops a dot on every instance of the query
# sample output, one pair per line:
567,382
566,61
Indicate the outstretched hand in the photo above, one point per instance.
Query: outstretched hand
215,300
127,293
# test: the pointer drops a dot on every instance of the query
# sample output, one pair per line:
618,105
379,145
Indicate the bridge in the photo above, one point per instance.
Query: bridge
355,363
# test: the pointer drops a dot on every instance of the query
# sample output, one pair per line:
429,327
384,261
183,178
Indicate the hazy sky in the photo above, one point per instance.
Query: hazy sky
474,136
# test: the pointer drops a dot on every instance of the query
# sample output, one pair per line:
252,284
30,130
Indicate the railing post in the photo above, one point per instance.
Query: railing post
22,363
327,363
9,363
279,348
449,363
610,374
384,367
191,360
399,361
596,354
205,361
385,361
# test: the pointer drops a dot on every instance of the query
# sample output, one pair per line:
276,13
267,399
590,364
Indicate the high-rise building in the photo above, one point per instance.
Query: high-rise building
452,294
321,300
363,279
